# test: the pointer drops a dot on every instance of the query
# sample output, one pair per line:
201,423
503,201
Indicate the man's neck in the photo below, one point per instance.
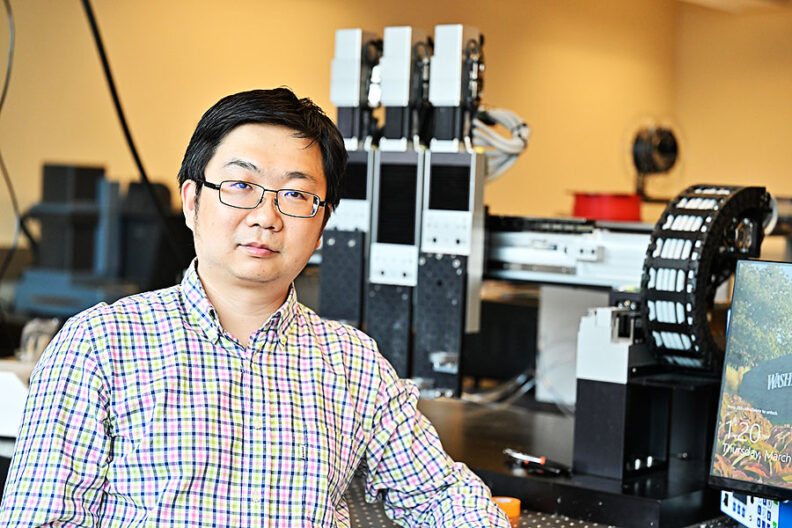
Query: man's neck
241,310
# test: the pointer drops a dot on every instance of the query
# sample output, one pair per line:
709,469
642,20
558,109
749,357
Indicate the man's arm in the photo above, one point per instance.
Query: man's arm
61,452
421,485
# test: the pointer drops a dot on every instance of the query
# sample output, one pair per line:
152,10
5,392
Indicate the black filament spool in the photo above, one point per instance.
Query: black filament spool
654,150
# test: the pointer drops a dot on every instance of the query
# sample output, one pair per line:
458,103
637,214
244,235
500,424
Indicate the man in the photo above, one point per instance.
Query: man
223,401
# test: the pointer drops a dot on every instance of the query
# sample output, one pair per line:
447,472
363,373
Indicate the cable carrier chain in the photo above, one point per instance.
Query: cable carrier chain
693,249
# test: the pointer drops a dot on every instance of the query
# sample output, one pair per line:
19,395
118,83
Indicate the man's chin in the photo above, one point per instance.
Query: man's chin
253,277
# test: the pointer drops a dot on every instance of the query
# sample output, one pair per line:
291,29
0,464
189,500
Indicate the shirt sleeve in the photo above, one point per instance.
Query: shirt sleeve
420,484
61,452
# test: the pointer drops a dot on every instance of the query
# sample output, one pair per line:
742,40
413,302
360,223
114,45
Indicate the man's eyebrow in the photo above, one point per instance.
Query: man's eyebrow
244,165
298,175
289,175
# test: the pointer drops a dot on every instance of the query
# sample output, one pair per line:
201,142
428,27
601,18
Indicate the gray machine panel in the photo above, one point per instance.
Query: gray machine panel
448,295
439,317
345,245
341,276
396,227
388,311
453,219
396,217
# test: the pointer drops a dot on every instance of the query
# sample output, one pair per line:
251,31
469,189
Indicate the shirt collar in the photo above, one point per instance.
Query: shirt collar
202,315
283,317
200,312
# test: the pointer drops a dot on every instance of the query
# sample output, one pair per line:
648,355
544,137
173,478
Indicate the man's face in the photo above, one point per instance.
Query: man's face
261,246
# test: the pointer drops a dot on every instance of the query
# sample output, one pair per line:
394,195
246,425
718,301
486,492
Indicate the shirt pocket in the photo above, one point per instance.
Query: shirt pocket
324,457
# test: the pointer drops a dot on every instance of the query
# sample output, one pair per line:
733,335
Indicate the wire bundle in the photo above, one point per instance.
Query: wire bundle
503,151
12,195
692,250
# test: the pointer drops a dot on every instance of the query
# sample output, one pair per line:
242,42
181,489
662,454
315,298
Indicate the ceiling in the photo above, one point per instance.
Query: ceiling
740,6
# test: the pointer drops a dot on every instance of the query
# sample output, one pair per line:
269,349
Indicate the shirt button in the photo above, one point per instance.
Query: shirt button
258,423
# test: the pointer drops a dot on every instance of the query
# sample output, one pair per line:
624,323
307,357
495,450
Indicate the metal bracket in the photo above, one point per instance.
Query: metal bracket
444,362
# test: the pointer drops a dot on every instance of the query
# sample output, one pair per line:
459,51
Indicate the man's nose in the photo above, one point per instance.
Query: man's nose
267,215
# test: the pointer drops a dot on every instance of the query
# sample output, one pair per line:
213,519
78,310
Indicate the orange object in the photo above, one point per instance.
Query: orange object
607,206
511,506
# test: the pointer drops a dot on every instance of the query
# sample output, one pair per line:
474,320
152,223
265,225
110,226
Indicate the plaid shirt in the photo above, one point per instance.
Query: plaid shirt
147,413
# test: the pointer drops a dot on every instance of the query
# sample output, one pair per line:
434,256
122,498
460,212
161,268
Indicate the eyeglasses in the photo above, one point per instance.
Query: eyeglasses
245,195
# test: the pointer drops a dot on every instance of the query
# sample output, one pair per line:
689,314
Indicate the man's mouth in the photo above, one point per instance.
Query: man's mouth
258,249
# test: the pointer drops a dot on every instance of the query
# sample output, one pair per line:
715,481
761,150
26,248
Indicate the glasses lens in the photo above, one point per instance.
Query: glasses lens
297,203
240,194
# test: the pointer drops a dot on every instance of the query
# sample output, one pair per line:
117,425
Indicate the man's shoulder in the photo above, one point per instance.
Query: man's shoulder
351,353
143,306
332,332
88,334
106,332
343,343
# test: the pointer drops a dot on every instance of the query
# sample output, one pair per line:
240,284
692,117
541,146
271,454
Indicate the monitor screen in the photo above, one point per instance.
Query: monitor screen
752,450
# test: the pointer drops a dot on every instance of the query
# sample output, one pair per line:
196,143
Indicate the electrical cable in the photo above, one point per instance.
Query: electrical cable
19,225
10,255
178,253
543,379
11,193
505,395
502,391
520,392
503,151
11,39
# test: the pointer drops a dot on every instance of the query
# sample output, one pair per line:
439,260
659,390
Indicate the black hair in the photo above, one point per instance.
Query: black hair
269,107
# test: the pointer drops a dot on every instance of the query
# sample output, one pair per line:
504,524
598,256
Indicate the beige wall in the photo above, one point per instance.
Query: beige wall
583,73
733,97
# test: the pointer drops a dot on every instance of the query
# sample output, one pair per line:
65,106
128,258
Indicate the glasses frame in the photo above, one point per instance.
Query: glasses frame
318,202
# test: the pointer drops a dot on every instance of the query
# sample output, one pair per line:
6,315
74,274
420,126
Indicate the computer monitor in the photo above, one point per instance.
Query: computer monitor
752,451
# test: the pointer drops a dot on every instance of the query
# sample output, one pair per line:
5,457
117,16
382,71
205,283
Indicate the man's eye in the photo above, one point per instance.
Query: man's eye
294,195
240,186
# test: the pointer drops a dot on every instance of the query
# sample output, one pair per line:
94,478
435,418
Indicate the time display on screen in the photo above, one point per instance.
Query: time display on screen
742,431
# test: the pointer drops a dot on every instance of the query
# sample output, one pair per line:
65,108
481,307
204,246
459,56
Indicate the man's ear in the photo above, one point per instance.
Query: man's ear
189,202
